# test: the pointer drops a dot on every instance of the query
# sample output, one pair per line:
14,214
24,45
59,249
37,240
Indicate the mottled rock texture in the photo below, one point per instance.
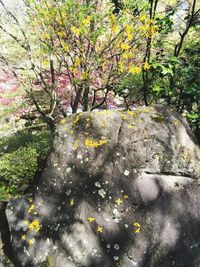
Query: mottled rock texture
119,189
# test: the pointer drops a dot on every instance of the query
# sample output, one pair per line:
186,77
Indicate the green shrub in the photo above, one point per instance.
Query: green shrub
20,164
21,157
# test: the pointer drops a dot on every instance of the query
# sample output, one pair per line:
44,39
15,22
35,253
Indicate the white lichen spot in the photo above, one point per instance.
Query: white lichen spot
126,225
116,246
68,170
115,212
108,246
68,192
116,258
79,156
126,173
117,220
102,193
97,184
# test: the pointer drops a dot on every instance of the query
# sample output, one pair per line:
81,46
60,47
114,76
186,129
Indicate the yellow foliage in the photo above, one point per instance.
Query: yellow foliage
146,66
86,21
134,70
125,46
142,17
75,30
129,31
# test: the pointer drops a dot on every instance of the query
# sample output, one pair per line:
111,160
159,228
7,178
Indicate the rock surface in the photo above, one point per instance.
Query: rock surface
119,189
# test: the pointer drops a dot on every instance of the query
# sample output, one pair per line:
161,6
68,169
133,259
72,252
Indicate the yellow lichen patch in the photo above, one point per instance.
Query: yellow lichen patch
176,146
23,237
95,143
124,117
30,242
131,113
99,229
76,144
71,203
102,125
35,226
158,118
144,110
77,119
119,201
175,122
32,209
186,154
91,219
63,121
131,125
137,229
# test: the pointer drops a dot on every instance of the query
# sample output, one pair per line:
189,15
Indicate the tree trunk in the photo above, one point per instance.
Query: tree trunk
85,97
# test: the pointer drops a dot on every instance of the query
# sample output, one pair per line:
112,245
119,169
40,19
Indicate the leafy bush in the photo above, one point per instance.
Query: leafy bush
21,157
17,168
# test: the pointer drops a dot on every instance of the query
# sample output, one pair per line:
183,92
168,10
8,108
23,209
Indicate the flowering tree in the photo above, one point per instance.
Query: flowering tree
77,51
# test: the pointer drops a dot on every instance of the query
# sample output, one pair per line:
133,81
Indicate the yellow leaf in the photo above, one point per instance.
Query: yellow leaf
125,46
65,47
86,21
134,70
146,66
142,17
121,66
75,30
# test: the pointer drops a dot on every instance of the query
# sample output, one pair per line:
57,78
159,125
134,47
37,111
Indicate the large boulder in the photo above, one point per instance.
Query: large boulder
119,189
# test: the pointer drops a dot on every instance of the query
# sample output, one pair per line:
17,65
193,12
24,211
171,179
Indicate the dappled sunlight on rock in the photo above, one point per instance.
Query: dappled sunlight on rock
119,189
